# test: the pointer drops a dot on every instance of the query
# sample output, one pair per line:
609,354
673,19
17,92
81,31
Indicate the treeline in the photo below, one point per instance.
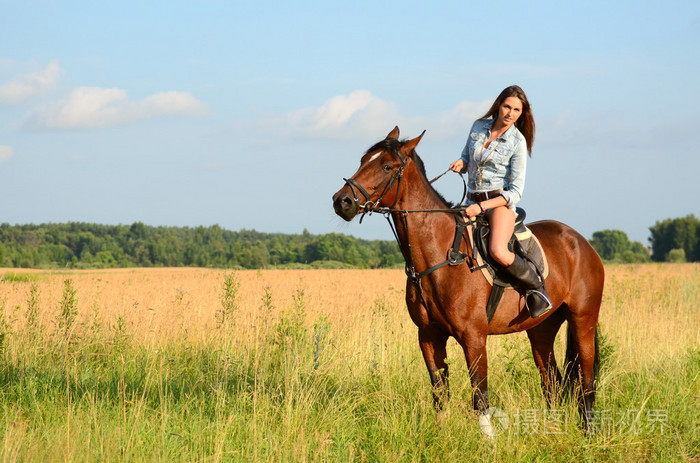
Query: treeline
672,240
85,245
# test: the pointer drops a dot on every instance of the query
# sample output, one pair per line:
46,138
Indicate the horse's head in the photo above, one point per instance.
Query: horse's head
376,183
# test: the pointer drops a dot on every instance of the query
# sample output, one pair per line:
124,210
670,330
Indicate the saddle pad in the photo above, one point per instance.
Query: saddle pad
530,245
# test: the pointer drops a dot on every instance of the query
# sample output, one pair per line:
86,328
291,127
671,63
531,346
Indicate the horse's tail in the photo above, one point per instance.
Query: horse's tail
571,363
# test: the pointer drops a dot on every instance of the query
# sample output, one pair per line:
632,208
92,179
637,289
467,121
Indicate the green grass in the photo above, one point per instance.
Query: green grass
293,389
193,403
19,277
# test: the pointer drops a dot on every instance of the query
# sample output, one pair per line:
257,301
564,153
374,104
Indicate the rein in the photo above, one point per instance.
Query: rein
371,206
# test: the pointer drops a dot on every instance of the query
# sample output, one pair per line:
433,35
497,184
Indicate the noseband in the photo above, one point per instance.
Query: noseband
369,206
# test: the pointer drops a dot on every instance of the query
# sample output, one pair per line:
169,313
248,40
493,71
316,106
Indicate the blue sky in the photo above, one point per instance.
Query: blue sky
248,114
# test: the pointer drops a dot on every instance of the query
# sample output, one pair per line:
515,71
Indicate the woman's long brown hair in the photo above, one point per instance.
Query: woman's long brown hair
525,123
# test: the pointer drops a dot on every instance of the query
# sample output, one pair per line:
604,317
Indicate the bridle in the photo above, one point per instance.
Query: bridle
370,206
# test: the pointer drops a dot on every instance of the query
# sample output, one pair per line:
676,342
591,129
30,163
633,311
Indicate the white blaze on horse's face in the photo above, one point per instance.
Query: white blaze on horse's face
374,156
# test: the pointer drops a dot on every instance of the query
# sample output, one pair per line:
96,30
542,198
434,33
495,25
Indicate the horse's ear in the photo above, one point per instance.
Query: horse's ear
393,134
410,145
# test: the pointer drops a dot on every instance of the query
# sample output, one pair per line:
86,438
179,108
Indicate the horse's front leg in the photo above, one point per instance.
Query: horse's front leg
433,344
474,346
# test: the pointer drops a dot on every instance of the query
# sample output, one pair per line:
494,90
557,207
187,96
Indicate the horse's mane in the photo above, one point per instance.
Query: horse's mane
392,144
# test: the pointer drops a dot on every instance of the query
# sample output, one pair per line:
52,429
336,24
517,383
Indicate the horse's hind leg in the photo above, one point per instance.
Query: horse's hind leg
585,296
433,345
542,339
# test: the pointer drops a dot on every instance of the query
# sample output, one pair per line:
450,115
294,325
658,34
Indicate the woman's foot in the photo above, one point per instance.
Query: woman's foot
537,302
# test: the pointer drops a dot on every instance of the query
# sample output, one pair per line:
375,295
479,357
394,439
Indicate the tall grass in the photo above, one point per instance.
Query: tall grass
205,365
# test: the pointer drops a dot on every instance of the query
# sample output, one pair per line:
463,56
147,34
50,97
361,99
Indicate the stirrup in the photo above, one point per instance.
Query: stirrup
539,312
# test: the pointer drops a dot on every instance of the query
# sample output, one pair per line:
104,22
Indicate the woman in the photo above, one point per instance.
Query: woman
495,157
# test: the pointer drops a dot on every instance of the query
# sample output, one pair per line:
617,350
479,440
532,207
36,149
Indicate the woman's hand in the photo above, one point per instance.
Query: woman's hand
457,166
473,210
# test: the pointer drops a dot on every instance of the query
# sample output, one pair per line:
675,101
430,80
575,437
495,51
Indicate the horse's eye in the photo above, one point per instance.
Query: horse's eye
387,168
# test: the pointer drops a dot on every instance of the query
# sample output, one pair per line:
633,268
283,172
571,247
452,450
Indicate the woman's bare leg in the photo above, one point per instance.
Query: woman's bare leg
502,222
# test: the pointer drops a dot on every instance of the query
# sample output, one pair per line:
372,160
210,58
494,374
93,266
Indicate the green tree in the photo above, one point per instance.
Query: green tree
614,245
610,243
676,255
680,233
335,246
637,253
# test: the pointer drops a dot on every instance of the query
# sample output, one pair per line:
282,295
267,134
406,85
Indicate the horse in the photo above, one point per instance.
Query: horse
449,300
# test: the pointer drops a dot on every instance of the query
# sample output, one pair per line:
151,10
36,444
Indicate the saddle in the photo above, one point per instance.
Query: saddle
523,243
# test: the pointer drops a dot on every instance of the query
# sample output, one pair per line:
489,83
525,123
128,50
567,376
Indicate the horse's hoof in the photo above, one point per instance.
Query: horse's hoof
492,422
486,426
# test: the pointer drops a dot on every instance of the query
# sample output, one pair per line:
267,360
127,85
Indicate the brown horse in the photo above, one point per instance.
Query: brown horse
451,300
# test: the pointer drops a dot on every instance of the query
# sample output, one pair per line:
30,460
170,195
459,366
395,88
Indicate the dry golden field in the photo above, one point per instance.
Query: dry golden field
643,305
164,304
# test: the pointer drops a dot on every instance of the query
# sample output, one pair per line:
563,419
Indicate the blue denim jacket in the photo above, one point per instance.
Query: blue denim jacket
504,168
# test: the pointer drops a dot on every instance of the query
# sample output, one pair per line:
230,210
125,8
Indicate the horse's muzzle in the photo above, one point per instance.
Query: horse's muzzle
345,204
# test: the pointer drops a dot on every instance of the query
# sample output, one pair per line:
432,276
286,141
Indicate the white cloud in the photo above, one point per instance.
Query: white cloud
93,107
27,86
338,111
340,117
361,114
5,153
